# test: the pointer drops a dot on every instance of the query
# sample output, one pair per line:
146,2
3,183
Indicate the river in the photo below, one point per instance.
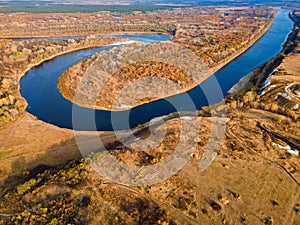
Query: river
39,85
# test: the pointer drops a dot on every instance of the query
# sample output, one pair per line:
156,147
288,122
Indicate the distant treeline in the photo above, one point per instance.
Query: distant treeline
41,7
151,5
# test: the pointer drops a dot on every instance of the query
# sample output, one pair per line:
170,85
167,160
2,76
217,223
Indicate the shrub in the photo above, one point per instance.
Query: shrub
267,107
23,188
274,107
54,222
242,117
233,104
292,114
245,99
278,119
17,54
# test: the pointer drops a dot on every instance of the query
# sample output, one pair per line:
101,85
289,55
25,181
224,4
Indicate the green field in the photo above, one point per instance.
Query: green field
38,7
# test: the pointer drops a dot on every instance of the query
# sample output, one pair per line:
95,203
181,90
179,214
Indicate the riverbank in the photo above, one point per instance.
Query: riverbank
276,81
118,41
259,77
190,195
12,104
108,100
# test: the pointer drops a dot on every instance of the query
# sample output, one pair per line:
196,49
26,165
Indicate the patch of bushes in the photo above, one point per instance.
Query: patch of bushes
17,54
23,188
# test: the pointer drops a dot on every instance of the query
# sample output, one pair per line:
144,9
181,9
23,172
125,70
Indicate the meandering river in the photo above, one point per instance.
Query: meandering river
39,85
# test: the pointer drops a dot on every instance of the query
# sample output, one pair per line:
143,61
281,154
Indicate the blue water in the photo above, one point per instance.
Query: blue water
39,86
145,38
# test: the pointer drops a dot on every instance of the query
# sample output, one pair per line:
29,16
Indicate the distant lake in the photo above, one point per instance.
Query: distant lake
39,85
